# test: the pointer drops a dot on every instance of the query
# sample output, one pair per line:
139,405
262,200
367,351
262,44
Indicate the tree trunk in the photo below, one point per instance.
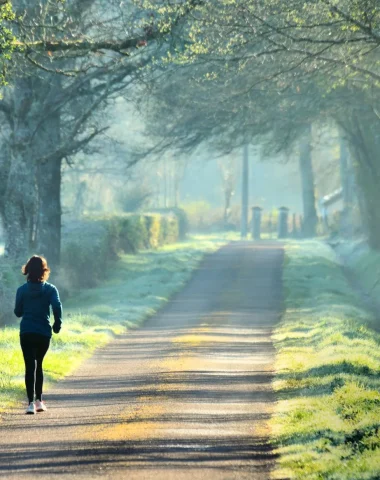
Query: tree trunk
244,194
365,146
5,164
20,193
310,218
228,192
48,239
48,235
346,176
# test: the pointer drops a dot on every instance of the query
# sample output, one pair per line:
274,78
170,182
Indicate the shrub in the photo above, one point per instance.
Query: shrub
198,214
183,223
181,219
10,279
169,231
134,233
91,245
134,199
153,223
87,248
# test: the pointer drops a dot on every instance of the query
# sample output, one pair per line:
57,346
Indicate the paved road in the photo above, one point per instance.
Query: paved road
186,397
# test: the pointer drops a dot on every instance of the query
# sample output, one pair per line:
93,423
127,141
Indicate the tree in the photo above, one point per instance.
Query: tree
7,39
310,218
263,71
228,170
59,83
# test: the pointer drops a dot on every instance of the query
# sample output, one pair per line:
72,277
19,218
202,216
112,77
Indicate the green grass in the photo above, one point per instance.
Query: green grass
327,419
135,289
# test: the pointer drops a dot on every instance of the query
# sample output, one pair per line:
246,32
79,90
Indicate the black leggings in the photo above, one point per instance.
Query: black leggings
34,348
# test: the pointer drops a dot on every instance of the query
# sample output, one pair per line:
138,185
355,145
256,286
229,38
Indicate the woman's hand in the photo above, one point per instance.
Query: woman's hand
56,328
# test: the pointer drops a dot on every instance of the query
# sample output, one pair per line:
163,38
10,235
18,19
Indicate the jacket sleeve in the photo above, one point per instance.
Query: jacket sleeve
19,304
56,305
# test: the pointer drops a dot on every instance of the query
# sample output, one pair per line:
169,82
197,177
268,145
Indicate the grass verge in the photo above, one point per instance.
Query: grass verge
327,419
135,289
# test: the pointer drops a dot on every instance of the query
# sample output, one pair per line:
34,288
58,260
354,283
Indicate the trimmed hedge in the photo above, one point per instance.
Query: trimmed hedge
181,216
91,244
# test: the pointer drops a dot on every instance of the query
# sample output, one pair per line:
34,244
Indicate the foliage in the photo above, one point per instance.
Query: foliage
93,244
326,423
134,199
197,214
253,54
183,223
7,38
363,265
261,72
10,279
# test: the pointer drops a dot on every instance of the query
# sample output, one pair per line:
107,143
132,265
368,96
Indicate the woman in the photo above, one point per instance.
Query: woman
33,301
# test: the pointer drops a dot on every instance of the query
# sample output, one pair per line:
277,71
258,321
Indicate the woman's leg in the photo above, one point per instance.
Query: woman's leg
29,352
42,348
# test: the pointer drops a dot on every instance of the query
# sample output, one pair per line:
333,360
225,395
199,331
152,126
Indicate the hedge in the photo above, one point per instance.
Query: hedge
91,244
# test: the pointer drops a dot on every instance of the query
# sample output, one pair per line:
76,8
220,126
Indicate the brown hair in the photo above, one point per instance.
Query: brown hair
36,268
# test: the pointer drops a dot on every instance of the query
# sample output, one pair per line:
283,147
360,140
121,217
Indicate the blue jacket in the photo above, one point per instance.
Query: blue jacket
33,301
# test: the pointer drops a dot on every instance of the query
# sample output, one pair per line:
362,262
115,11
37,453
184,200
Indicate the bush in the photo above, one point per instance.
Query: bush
87,248
91,245
134,199
153,223
183,223
10,279
198,214
181,218
134,233
203,218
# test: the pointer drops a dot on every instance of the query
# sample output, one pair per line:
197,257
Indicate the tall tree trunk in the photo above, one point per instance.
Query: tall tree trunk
310,218
20,193
244,193
48,234
227,205
344,174
5,164
365,146
48,241
348,190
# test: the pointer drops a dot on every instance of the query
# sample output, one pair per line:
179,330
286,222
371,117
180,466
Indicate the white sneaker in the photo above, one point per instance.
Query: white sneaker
40,406
31,410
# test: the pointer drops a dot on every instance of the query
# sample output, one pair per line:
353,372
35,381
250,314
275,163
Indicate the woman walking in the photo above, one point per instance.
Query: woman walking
33,301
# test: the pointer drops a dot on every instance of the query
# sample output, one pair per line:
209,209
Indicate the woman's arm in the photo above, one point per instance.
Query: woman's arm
56,305
19,304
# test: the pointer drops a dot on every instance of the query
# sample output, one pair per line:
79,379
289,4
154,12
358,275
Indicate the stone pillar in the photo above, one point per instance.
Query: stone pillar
283,213
256,223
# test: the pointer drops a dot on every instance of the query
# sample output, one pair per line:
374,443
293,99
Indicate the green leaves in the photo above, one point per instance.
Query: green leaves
7,38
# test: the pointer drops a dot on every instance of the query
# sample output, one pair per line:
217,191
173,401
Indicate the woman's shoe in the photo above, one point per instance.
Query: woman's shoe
40,406
31,410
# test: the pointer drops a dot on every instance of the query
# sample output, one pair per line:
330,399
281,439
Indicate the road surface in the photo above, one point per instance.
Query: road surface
188,396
